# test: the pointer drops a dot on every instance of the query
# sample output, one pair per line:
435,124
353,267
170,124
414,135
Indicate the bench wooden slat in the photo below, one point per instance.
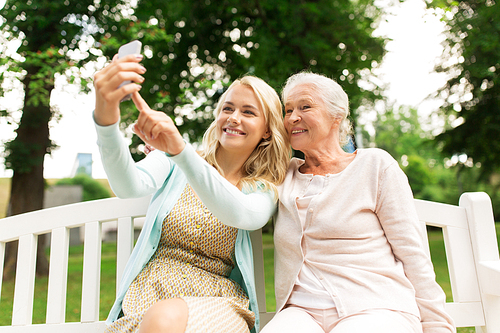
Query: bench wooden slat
22,312
58,276
463,275
441,215
482,225
486,255
466,314
125,244
265,317
258,256
70,216
2,260
91,272
97,327
490,277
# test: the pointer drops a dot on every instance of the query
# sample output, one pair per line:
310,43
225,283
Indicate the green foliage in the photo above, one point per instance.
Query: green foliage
419,174
399,132
53,37
432,175
195,48
472,93
92,189
23,159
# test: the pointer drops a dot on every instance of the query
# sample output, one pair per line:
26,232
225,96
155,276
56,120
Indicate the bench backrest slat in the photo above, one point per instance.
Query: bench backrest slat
58,276
91,272
25,280
258,257
125,244
2,260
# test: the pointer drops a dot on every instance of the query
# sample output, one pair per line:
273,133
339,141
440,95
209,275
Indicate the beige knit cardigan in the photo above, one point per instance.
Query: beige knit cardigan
362,240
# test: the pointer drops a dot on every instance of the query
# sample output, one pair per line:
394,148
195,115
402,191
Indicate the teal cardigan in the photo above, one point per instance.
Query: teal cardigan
165,177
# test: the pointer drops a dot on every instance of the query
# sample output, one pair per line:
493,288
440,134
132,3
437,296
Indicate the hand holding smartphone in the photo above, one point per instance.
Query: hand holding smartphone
134,47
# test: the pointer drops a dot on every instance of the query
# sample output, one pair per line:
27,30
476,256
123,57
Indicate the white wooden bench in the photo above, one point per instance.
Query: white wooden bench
468,229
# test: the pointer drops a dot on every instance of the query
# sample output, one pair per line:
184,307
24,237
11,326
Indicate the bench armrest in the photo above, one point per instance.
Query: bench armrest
489,272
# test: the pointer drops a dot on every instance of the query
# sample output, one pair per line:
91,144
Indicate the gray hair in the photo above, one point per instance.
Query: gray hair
331,93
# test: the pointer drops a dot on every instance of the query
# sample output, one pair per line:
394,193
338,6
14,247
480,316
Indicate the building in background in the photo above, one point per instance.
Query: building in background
83,164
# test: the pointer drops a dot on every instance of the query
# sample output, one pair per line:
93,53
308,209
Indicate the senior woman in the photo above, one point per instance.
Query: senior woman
349,255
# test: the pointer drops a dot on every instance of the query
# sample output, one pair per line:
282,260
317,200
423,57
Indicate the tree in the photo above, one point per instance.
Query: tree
400,133
213,42
471,96
54,37
432,175
192,50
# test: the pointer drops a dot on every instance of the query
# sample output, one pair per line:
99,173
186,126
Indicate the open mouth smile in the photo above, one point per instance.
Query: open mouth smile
298,131
233,131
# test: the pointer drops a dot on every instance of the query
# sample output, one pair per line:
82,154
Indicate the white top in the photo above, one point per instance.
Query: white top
308,291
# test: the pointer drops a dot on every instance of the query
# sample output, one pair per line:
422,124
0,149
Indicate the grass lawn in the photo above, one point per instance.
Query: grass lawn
108,267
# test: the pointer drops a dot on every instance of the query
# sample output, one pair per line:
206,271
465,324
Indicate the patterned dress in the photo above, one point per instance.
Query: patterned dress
193,261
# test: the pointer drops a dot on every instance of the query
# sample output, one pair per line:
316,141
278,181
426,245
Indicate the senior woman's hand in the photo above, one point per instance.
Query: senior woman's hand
106,83
156,128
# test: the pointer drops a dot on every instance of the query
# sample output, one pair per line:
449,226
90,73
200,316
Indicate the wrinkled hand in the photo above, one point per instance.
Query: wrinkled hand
106,83
156,128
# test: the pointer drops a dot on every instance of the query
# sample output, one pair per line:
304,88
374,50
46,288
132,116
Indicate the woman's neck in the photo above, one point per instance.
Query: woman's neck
327,161
231,165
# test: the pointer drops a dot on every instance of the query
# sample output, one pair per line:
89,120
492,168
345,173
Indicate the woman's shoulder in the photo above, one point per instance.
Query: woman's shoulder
376,155
294,164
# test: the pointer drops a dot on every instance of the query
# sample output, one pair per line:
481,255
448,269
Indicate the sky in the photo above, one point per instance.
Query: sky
407,70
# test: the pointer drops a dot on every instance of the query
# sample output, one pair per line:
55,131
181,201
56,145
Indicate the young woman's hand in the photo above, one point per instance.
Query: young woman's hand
106,83
148,149
156,128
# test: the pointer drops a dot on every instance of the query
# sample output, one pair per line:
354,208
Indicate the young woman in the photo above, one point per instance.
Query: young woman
192,267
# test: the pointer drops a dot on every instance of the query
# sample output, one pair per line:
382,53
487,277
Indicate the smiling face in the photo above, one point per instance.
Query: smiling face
241,124
307,121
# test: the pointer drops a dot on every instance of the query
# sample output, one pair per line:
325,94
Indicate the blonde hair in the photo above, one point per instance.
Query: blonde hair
331,93
268,162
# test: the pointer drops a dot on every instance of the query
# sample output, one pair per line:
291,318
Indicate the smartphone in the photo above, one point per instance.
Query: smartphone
134,47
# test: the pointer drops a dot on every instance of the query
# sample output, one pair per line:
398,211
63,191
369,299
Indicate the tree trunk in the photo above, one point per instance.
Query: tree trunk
26,155
26,195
